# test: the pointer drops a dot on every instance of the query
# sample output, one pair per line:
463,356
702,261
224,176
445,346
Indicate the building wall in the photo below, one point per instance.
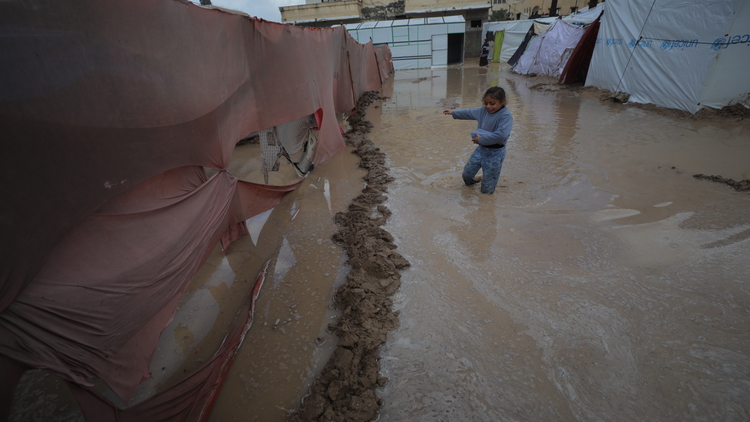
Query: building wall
475,12
527,7
384,11
328,11
413,5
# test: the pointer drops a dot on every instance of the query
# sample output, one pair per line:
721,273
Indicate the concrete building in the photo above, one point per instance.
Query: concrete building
321,14
334,12
524,9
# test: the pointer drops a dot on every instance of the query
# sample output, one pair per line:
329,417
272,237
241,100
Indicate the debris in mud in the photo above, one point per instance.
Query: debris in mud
252,139
621,97
547,87
446,104
424,78
742,185
734,112
345,390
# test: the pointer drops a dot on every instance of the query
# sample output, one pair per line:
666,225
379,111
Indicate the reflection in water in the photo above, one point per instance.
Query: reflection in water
255,225
193,322
285,260
583,289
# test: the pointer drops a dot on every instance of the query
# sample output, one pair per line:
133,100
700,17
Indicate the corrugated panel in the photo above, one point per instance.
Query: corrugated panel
457,28
400,33
406,64
424,63
424,48
382,35
427,31
411,50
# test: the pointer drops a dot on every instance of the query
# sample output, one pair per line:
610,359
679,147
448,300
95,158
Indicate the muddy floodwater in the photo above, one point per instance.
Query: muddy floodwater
600,282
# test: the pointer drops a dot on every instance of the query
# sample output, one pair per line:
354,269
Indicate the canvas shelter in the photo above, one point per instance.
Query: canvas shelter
577,67
416,43
548,53
675,54
509,35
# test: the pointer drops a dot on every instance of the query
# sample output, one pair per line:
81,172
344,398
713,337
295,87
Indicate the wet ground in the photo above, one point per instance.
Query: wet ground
601,281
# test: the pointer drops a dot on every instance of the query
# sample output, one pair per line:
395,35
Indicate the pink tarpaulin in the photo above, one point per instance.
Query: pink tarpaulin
109,111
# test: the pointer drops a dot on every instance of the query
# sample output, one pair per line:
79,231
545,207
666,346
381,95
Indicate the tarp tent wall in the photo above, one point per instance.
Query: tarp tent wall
549,52
112,111
675,54
515,31
415,43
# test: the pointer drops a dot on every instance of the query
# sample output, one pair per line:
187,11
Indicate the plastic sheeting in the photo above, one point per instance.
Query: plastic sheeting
578,64
549,52
110,112
515,32
673,53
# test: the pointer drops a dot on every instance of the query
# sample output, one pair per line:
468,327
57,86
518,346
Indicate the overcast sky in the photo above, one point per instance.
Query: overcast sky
266,9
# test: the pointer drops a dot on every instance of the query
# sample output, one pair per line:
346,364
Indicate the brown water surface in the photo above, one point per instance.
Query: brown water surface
601,281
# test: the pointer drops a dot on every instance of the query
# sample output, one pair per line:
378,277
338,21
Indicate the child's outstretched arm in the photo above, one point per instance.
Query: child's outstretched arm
466,114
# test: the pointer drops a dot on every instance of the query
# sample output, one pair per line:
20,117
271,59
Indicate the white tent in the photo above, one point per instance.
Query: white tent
585,15
515,32
416,43
548,53
675,53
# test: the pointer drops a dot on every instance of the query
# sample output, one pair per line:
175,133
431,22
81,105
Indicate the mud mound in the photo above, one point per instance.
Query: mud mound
742,185
734,112
549,87
731,113
345,390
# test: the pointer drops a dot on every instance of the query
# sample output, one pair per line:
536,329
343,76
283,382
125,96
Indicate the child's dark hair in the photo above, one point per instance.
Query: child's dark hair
495,92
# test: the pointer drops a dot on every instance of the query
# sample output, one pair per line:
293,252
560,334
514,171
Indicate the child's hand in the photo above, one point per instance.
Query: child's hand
447,112
475,139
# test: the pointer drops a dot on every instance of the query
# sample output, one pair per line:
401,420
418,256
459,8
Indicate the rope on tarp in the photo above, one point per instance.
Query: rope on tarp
640,37
286,140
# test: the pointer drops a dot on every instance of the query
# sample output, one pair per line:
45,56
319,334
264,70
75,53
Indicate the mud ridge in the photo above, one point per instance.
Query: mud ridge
731,113
741,185
345,389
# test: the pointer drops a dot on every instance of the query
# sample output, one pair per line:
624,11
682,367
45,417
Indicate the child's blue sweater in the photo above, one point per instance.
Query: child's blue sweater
493,129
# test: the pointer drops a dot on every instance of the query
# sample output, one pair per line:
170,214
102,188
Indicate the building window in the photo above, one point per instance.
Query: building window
476,23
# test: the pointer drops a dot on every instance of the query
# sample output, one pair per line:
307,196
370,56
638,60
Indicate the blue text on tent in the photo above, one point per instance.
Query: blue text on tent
681,44
640,43
725,42
610,41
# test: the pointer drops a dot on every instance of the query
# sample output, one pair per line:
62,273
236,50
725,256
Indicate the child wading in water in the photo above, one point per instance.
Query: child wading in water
494,123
